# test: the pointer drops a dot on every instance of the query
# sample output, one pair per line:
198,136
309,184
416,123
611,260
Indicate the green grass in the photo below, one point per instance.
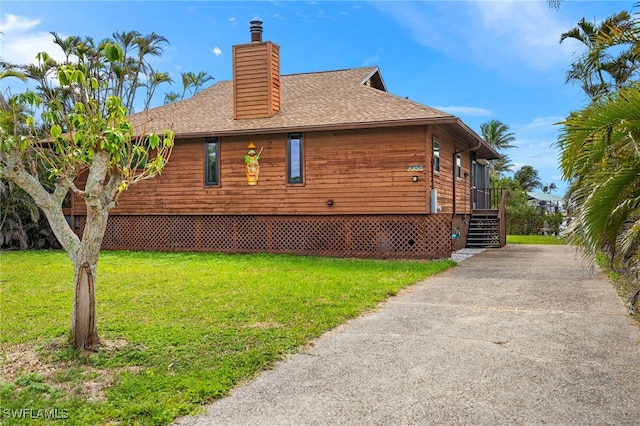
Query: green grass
178,330
534,239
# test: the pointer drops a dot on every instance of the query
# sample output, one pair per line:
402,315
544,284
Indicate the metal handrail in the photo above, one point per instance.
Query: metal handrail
487,198
502,218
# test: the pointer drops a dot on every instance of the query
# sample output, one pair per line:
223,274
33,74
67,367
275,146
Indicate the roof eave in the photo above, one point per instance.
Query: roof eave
324,127
493,154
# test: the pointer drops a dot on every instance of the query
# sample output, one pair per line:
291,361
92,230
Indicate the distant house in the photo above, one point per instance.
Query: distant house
340,167
551,203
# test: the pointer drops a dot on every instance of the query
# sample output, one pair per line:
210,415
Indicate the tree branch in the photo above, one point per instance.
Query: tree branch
15,171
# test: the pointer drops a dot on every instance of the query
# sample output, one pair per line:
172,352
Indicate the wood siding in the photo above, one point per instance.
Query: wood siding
446,183
360,171
256,80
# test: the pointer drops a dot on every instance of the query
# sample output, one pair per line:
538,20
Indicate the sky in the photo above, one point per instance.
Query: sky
479,60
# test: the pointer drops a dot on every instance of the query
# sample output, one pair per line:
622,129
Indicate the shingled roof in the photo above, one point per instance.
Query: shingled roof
344,99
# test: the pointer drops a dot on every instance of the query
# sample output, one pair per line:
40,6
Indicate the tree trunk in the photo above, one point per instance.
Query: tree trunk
84,332
99,199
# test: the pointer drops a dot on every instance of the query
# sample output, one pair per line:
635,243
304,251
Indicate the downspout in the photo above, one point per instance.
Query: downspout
453,184
433,181
432,197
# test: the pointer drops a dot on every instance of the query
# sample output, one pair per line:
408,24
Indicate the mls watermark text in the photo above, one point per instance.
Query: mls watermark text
34,413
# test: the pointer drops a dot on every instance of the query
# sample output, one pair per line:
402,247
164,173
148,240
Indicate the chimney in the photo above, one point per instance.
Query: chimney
256,31
256,77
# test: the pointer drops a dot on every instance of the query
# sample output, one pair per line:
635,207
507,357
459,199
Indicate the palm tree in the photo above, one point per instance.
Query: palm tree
501,165
528,179
497,134
601,160
149,45
547,189
599,147
171,97
598,72
194,82
191,82
624,39
155,79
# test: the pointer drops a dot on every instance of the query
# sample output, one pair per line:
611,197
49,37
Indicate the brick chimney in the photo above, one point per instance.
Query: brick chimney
256,77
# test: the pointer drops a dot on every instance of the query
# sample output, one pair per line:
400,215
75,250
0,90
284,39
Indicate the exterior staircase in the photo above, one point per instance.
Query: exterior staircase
484,229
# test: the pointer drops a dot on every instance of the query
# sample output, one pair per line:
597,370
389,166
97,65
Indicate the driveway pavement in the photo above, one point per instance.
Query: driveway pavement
521,335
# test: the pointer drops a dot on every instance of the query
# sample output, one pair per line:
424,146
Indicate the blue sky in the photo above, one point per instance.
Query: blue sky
479,60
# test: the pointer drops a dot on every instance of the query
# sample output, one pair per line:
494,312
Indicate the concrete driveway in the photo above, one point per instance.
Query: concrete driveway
520,335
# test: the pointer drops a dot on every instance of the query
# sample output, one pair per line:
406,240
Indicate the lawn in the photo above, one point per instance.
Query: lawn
177,329
534,239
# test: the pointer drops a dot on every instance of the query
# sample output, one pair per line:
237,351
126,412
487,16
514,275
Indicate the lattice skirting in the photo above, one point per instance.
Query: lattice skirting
364,236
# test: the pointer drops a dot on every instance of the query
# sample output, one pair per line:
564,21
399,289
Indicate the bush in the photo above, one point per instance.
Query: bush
524,220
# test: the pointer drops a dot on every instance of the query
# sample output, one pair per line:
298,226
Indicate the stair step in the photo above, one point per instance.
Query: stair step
483,229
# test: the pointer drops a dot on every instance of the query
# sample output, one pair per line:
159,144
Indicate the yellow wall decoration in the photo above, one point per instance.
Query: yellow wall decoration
251,161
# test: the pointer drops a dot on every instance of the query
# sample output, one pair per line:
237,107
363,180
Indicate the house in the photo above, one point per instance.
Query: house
549,202
323,163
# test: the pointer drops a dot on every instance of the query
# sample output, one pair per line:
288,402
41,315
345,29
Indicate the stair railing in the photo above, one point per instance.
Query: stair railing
502,218
486,198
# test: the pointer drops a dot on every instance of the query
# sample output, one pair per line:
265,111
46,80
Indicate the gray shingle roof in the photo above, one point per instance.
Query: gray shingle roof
311,101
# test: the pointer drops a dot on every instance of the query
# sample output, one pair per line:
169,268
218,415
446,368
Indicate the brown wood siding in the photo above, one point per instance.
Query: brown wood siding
274,78
361,171
256,80
446,182
463,186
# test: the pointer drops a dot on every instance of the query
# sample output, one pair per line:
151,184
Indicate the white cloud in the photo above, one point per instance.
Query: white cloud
524,31
216,51
541,132
21,41
465,110
16,24
494,33
541,123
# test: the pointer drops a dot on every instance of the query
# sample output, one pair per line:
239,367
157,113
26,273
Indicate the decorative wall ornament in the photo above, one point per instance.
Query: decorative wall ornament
252,165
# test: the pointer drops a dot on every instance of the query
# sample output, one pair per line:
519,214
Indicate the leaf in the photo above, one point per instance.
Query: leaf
63,77
153,140
168,139
78,77
56,131
78,138
24,143
113,52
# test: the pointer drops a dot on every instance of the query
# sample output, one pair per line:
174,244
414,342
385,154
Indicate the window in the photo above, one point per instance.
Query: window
436,156
458,166
294,158
211,161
